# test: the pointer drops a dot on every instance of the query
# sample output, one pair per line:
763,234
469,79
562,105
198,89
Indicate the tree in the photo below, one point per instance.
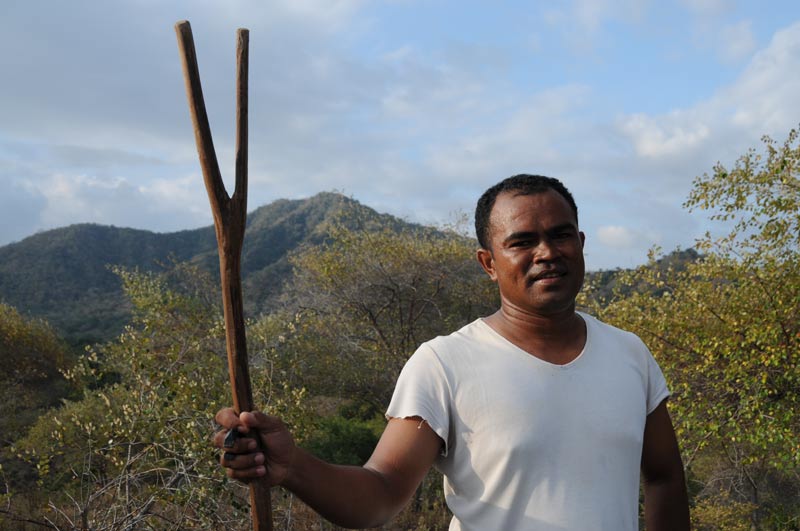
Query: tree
134,451
369,297
30,383
725,329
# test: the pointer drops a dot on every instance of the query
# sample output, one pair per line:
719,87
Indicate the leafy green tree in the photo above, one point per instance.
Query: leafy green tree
725,329
30,383
758,199
134,451
370,297
30,380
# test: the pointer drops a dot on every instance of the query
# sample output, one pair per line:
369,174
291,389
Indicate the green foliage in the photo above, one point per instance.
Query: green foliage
137,450
369,297
720,512
63,275
30,381
726,332
760,197
346,438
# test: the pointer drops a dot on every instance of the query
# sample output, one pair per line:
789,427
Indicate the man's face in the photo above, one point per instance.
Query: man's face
536,254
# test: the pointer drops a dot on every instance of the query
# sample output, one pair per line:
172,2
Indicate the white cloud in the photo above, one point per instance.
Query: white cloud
20,207
185,194
660,154
675,134
582,22
164,205
708,7
736,41
765,95
527,135
762,100
590,14
617,236
400,54
323,13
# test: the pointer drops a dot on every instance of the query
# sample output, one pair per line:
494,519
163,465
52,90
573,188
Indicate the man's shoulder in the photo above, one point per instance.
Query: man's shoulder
470,332
609,331
469,338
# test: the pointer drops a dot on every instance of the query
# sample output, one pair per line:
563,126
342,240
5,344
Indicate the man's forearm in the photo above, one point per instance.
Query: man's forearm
666,506
349,496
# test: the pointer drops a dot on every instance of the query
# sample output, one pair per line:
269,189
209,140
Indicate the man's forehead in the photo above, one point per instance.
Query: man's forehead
518,203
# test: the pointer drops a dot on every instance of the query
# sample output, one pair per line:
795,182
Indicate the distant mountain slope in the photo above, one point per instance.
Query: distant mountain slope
62,275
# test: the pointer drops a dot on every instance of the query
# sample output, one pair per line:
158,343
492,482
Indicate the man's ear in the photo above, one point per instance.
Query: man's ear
583,239
486,260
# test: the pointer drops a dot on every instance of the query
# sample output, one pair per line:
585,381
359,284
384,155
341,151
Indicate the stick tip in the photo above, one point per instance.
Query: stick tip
182,24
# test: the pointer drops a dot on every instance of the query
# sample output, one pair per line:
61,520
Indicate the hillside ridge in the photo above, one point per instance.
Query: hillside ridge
63,274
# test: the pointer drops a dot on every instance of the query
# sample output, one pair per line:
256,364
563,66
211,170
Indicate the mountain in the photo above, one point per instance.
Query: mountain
63,274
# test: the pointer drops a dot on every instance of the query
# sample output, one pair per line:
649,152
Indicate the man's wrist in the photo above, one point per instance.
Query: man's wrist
294,469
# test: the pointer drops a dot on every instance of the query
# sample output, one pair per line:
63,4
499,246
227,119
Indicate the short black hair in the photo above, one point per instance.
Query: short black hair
522,184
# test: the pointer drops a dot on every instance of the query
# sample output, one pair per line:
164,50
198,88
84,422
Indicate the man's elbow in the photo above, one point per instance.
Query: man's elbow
667,474
385,501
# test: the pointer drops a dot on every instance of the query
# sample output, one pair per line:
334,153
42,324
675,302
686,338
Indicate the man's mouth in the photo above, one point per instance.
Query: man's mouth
549,275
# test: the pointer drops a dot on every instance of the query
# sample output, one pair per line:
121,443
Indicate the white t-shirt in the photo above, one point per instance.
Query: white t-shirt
529,445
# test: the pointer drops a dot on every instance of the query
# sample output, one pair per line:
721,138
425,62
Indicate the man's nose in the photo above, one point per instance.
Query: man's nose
545,251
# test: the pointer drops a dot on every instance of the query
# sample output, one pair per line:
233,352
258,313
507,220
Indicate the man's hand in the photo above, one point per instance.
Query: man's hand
351,496
242,457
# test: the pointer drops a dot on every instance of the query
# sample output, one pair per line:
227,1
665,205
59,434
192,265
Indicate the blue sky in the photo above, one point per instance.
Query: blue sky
411,107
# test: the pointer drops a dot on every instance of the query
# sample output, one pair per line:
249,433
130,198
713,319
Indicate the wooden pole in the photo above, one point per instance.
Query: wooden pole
230,214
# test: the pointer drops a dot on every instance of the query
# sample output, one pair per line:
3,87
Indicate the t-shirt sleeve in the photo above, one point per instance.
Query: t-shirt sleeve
422,391
657,389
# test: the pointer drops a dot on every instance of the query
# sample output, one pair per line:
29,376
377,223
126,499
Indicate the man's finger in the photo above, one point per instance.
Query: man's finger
227,418
259,421
247,474
242,461
244,467
238,444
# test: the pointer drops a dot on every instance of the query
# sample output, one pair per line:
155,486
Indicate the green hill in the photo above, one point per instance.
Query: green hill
63,275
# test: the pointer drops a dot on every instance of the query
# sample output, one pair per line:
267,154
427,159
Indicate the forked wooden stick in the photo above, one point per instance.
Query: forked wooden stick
230,214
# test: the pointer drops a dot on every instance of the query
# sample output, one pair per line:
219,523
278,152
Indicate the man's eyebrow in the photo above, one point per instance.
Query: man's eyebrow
563,226
526,235
521,235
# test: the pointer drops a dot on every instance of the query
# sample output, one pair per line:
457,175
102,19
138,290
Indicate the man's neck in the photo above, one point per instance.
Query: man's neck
556,338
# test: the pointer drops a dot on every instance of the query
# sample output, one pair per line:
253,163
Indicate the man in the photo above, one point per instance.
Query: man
539,417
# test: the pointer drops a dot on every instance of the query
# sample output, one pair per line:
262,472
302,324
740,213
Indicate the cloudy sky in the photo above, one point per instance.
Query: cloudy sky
411,107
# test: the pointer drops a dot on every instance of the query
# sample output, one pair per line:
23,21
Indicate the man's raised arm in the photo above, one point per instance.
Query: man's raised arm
349,496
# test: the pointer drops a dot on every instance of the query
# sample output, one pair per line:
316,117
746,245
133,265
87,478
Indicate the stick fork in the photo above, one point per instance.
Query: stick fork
230,215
